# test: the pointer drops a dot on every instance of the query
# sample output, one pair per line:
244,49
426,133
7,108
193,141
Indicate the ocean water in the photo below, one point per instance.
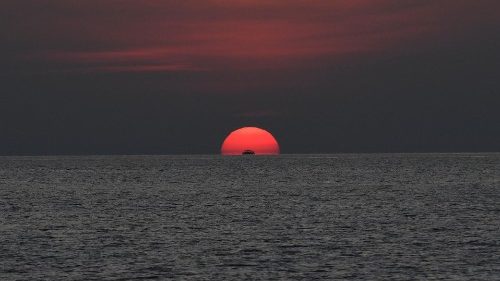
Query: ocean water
289,217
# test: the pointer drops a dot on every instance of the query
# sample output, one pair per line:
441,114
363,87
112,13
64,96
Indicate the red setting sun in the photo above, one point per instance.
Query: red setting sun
250,140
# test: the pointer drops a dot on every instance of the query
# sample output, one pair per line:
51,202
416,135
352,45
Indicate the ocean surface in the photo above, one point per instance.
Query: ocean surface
289,217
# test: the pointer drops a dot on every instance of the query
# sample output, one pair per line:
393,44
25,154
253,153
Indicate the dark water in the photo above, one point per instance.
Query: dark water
342,217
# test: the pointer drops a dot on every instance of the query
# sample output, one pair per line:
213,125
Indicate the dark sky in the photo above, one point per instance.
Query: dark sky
152,76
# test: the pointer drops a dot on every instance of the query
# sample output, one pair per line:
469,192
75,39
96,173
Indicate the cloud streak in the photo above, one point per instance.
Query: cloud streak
149,35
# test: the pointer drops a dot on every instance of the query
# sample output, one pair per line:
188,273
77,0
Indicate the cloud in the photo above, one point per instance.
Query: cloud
149,35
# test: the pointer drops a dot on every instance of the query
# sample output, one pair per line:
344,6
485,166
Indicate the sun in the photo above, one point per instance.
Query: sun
250,140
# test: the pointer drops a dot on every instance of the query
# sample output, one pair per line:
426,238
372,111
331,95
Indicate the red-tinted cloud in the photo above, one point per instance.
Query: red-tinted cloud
191,35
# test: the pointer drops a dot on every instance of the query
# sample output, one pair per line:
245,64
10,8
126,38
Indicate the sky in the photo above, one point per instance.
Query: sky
176,77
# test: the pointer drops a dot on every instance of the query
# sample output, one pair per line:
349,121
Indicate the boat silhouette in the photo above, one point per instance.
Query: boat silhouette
248,152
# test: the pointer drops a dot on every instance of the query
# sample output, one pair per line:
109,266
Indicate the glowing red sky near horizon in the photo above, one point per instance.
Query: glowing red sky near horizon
207,35
257,140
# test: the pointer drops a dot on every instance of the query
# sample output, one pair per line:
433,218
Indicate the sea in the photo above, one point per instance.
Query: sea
288,217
